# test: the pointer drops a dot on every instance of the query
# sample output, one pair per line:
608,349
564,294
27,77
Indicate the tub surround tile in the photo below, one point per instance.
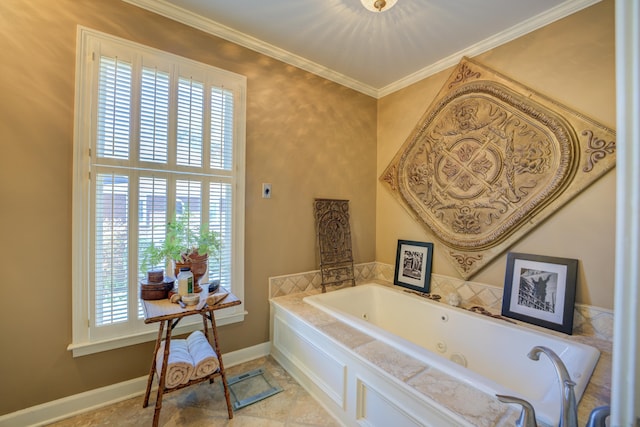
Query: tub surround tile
312,280
476,407
466,293
488,297
384,272
455,396
592,326
348,336
299,308
588,320
598,391
509,419
314,316
471,293
593,321
390,360
294,283
295,299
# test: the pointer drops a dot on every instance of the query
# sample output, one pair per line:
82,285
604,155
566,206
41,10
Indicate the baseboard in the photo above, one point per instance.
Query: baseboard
90,400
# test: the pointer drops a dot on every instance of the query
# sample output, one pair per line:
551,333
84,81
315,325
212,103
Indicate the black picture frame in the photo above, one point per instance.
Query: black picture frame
413,265
540,290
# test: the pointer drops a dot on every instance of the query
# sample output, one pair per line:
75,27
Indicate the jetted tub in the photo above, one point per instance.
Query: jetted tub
487,353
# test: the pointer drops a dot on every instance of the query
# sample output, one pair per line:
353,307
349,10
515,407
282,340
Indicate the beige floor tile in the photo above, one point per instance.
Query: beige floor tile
204,405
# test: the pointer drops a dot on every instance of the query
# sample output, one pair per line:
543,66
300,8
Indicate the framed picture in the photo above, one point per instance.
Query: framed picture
540,290
413,265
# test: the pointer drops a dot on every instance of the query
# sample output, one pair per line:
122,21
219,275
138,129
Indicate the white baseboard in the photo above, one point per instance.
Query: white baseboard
90,400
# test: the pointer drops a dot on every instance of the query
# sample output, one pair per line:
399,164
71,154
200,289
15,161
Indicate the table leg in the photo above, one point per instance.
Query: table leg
222,373
163,372
153,366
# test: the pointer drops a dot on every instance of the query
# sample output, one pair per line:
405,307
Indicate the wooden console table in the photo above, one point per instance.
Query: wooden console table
169,315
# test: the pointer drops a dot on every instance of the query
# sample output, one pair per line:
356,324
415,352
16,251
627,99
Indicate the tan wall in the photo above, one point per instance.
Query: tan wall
305,135
571,60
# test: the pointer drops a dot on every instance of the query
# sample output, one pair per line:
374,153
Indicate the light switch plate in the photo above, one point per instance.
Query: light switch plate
266,191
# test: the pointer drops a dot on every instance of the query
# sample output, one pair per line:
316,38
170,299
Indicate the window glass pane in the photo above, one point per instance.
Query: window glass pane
114,108
152,221
189,203
154,115
221,129
190,122
111,248
220,208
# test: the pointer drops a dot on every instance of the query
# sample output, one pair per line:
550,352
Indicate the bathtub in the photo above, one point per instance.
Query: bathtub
487,353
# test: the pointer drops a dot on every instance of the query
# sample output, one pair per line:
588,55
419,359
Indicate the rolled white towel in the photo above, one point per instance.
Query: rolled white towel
204,357
180,366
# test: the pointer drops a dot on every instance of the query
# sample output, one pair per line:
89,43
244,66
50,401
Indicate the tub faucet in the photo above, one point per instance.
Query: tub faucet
528,414
569,409
598,416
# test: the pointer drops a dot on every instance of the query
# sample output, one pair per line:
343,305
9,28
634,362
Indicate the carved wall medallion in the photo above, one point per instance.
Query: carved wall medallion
490,159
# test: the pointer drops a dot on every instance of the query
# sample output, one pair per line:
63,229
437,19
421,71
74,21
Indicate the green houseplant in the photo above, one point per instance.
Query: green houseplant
183,247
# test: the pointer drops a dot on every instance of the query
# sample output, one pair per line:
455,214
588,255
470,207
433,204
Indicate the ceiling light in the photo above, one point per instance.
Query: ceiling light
378,5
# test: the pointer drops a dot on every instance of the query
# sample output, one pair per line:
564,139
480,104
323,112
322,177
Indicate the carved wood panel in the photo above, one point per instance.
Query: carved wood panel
490,159
334,241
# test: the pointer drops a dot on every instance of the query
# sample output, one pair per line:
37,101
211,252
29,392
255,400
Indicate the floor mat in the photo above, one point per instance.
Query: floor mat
251,387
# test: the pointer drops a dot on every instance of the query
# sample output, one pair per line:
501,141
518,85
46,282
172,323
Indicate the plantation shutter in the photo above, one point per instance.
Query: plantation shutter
154,115
220,193
157,137
111,249
111,273
221,129
155,125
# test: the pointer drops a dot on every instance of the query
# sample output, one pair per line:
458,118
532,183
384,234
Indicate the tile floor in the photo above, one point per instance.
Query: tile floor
204,405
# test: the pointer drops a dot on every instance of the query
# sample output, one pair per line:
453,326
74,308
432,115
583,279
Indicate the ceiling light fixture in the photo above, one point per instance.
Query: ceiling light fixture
378,5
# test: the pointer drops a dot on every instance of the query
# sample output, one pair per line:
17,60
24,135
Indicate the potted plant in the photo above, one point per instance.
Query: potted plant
183,247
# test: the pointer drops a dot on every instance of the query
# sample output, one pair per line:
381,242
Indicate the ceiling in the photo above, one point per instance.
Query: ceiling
374,53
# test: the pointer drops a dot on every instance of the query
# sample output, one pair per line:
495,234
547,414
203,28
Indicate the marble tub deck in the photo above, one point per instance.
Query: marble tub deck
475,406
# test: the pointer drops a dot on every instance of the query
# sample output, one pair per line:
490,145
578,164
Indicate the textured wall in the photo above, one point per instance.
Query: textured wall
307,136
572,61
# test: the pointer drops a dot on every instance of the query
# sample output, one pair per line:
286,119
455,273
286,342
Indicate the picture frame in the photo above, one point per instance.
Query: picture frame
413,265
540,290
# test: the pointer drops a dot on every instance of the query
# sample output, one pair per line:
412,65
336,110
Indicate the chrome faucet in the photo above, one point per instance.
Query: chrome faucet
569,409
528,414
598,416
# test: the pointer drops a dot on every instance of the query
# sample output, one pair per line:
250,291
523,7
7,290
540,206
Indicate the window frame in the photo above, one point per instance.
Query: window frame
87,69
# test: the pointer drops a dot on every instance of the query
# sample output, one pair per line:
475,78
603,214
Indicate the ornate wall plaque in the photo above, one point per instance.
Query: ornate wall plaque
490,159
334,240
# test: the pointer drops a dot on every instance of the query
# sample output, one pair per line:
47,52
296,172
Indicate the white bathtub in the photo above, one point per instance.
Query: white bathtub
489,354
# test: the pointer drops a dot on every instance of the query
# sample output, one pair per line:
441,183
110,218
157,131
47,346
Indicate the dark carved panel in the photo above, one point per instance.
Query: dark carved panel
334,241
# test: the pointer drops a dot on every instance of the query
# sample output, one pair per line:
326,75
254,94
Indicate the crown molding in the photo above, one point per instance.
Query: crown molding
561,11
198,22
191,19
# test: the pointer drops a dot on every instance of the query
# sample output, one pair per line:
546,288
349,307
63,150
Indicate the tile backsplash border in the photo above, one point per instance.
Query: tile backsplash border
588,320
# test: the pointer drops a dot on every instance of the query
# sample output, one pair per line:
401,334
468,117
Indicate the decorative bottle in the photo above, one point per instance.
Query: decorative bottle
185,281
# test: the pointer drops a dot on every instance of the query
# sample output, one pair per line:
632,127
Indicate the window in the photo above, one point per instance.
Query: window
157,137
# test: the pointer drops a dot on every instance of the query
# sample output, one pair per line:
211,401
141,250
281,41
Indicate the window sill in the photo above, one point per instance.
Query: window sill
91,347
